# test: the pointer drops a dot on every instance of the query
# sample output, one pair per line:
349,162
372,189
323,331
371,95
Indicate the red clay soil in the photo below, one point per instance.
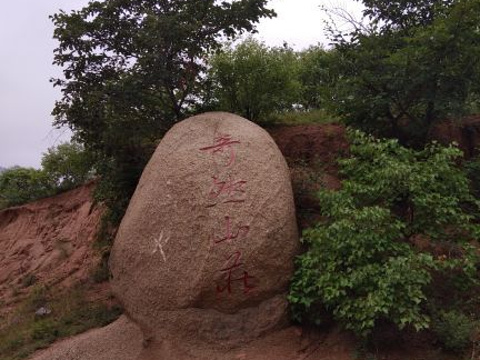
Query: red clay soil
48,242
312,143
312,152
466,133
315,149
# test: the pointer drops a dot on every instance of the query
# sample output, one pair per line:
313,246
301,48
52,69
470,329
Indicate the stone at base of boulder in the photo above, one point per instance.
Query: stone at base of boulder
209,328
285,344
178,350
121,340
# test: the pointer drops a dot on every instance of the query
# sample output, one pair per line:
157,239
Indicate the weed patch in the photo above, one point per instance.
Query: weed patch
71,314
318,116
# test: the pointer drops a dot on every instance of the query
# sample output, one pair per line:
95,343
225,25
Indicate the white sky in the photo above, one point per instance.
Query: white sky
26,52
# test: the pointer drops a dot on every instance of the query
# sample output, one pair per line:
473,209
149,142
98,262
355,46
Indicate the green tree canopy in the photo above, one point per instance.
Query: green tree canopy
417,63
254,80
68,165
132,68
19,185
405,14
317,75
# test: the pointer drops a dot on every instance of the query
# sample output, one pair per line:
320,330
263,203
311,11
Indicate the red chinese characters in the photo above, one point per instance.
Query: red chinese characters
231,269
230,234
223,148
228,190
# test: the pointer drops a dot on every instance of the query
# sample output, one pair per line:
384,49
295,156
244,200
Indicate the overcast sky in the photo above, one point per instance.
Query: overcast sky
26,52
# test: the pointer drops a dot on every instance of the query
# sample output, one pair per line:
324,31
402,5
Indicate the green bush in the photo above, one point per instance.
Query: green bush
472,168
454,330
362,263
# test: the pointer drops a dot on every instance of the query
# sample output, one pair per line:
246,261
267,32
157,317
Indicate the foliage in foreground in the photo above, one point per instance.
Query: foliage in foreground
364,263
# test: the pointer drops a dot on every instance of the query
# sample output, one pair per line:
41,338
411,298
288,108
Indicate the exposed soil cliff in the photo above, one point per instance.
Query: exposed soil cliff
48,241
466,133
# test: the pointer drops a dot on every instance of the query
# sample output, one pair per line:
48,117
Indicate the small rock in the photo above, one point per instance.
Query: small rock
43,311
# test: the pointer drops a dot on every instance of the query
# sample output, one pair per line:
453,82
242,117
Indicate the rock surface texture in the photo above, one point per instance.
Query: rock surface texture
121,340
205,251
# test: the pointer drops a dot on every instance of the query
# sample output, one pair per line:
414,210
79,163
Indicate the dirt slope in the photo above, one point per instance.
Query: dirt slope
48,241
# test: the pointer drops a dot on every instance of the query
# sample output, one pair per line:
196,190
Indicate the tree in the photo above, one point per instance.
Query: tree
400,217
417,64
254,80
405,14
132,68
317,75
19,185
68,165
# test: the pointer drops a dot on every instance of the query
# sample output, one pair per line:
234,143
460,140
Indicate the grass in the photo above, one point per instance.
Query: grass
22,332
317,116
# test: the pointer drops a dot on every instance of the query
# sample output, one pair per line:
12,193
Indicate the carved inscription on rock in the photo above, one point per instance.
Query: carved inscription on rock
210,230
232,192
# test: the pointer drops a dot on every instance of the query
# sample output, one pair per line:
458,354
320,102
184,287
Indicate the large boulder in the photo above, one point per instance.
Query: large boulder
206,247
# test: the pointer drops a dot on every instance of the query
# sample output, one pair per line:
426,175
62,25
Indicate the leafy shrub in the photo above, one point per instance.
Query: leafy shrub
362,263
472,168
454,329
